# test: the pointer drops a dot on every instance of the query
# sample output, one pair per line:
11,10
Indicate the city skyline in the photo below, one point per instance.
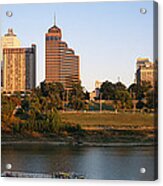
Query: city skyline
94,39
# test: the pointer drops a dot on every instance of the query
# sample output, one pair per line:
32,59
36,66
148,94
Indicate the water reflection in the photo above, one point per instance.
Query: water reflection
93,162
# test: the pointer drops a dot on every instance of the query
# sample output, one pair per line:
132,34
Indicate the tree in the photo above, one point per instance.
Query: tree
108,90
25,104
8,113
139,91
86,95
140,104
143,90
53,92
133,90
123,96
76,97
151,101
42,114
129,104
8,106
54,121
120,86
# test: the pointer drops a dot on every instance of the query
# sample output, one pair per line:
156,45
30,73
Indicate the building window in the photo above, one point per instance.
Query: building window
52,38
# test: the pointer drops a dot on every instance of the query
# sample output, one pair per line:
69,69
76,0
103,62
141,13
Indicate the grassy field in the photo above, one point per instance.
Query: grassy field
109,119
97,128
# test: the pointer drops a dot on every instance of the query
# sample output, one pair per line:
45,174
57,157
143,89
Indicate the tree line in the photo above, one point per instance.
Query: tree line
38,111
145,94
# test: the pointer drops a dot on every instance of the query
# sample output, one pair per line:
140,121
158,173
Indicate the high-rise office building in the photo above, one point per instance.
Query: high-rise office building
146,71
9,40
19,69
62,65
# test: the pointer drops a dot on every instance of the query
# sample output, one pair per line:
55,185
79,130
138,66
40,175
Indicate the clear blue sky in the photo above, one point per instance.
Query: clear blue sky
107,36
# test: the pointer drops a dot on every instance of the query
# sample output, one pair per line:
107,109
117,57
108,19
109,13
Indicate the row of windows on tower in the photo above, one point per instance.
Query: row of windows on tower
52,38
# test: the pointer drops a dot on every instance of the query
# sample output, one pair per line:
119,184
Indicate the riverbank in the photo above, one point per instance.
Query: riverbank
88,144
94,129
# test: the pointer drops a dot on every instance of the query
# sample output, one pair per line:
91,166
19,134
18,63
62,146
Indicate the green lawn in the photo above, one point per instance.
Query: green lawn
109,119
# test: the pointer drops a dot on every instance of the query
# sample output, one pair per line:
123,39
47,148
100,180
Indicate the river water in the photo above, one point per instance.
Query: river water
119,163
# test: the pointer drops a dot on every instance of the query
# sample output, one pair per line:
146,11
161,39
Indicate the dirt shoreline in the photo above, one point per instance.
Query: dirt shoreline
90,144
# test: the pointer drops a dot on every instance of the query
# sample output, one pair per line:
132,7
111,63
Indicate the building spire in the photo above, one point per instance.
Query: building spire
54,19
